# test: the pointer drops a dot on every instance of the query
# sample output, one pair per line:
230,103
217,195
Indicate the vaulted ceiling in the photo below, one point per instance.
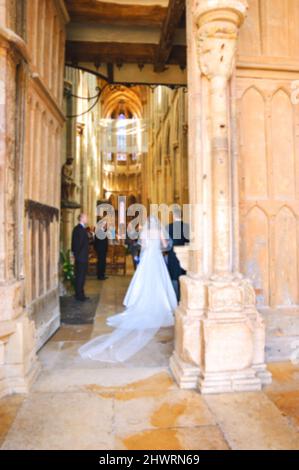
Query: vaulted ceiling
128,40
122,100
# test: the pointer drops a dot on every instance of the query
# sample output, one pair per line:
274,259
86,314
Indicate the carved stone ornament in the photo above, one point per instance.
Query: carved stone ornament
216,46
218,25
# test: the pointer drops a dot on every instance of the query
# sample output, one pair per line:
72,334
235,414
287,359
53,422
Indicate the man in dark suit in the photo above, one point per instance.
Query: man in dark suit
80,251
101,247
178,232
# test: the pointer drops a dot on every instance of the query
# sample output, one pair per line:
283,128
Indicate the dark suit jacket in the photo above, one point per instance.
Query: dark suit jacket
173,263
80,244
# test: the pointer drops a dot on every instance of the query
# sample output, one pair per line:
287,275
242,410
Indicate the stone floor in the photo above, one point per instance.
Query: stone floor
82,404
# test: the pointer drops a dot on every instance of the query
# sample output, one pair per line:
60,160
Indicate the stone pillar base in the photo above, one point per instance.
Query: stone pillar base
19,365
221,382
262,373
186,375
220,336
13,379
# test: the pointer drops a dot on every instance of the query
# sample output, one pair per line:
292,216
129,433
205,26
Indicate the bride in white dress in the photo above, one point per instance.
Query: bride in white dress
150,302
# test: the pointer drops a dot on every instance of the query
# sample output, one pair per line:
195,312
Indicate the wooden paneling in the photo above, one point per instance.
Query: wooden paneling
253,145
286,268
250,42
271,29
282,146
269,143
268,184
255,251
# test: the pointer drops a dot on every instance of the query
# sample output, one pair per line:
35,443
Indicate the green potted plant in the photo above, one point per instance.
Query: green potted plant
68,270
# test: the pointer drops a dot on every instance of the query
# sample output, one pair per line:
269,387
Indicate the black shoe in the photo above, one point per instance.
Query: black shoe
81,299
102,278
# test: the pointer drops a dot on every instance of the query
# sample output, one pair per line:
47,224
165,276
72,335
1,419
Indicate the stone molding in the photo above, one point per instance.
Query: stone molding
16,42
47,97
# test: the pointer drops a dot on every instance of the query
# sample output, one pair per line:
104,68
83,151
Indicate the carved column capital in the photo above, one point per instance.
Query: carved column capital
218,23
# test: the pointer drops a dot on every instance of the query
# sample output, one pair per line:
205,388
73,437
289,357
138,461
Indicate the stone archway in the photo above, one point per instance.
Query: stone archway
217,301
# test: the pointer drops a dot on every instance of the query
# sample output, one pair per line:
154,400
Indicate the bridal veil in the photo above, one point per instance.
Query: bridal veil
150,302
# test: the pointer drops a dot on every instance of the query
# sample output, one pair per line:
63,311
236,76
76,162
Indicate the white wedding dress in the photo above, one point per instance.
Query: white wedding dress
150,302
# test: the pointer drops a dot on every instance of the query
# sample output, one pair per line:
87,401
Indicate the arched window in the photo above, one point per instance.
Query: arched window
121,137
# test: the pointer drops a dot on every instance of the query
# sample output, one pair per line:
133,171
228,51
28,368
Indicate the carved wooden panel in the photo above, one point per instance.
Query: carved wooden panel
268,187
255,251
251,35
286,252
282,146
253,144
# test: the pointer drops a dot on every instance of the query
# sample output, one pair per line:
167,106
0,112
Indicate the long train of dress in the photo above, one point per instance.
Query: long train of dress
150,302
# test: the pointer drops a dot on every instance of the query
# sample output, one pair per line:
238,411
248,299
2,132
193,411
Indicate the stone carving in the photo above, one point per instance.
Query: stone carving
216,47
68,184
216,37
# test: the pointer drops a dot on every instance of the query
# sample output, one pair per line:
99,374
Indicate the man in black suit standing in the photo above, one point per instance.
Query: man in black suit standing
178,232
80,251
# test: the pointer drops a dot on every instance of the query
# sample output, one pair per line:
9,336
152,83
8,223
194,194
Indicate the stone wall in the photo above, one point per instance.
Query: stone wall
32,38
166,168
45,120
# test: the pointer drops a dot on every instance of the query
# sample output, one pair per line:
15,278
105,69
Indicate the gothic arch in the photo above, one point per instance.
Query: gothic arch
253,88
254,251
282,142
286,265
282,89
254,165
130,98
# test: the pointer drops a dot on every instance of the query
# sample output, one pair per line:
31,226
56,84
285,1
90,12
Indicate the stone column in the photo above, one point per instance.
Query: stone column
220,336
67,225
18,361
